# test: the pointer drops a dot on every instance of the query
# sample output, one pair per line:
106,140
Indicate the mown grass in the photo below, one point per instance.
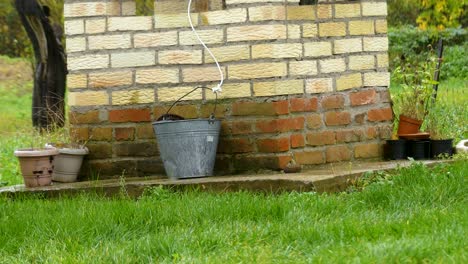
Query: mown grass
417,215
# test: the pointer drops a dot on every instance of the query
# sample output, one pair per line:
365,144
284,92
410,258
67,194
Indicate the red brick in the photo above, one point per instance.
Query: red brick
338,153
314,121
249,162
280,125
371,133
349,136
360,118
207,109
304,104
321,138
385,97
185,111
283,161
124,133
297,141
368,151
241,127
309,157
129,115
363,97
101,134
271,145
382,114
79,133
90,117
332,102
260,109
386,131
145,131
235,145
337,118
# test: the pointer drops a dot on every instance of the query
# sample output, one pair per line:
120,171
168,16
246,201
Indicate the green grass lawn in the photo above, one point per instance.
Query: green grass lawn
417,215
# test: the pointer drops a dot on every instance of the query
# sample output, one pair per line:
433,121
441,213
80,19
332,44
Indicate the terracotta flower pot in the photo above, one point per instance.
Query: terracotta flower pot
408,125
68,163
36,165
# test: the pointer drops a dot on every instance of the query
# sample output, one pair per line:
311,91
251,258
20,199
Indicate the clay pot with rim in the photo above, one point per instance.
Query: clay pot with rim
408,125
67,163
36,165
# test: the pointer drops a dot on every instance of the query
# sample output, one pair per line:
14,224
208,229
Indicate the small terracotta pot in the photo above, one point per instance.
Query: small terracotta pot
408,125
36,166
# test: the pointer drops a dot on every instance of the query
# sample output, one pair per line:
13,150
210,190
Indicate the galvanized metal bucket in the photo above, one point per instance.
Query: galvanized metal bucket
188,147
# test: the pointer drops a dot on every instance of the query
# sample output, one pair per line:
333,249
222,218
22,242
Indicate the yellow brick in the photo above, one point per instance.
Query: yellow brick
229,16
324,11
180,57
131,97
348,45
113,7
332,65
304,12
294,31
364,62
157,75
120,41
85,9
317,49
309,30
321,85
171,6
203,74
262,13
257,70
132,59
256,32
377,79
376,44
132,23
382,60
229,53
381,26
88,98
303,68
94,26
87,62
231,90
208,36
347,10
74,27
110,79
174,20
128,8
76,81
349,81
174,93
278,88
365,27
332,29
374,8
288,50
143,40
76,44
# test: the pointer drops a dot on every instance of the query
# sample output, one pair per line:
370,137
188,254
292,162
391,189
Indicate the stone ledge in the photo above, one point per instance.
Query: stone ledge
326,178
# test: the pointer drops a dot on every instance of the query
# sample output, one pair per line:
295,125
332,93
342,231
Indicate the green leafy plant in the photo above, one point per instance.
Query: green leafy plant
416,84
439,122
440,14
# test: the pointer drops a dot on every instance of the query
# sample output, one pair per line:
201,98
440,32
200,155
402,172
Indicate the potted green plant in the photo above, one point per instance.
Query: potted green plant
439,124
395,148
411,100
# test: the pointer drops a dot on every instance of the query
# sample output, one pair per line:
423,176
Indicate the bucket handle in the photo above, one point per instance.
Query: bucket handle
212,116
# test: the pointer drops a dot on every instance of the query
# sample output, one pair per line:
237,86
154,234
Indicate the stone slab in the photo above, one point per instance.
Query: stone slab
325,178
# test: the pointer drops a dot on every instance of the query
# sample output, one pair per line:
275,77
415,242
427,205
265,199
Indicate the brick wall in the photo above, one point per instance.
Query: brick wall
303,82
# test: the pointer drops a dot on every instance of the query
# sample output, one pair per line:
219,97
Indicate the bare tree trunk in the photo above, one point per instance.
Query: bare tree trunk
48,108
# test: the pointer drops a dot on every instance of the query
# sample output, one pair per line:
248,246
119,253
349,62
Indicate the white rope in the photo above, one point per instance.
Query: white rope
218,88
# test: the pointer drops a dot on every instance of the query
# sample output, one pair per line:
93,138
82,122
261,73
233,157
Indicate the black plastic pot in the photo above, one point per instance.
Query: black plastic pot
441,147
395,149
419,149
